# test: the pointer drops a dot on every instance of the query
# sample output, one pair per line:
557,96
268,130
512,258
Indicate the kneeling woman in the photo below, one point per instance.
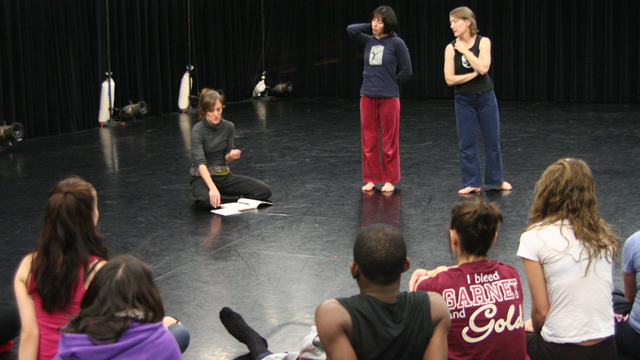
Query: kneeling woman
484,297
121,317
212,150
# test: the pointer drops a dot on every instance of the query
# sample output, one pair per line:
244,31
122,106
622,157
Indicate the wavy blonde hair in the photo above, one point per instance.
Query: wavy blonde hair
566,191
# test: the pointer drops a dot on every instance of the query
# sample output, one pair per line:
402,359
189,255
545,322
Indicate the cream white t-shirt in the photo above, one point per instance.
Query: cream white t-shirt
581,307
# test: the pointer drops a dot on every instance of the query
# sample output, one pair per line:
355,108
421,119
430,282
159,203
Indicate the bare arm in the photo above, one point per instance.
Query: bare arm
441,320
630,286
30,333
539,297
199,160
334,329
482,63
214,194
413,282
418,274
450,69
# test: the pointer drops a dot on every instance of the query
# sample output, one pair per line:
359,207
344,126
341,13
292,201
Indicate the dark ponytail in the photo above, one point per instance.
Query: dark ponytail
69,236
476,222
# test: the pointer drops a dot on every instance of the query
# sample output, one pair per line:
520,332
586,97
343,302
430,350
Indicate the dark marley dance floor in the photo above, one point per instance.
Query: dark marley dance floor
275,265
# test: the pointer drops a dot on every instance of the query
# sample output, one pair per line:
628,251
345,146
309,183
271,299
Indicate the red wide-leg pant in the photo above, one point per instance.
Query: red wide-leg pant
380,120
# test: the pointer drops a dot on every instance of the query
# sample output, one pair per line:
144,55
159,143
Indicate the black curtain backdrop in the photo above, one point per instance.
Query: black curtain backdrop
54,54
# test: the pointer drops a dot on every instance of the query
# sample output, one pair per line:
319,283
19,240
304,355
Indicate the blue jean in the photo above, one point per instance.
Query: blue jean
471,111
182,336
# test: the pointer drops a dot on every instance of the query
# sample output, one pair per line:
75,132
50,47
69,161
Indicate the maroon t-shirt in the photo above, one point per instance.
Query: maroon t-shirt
485,301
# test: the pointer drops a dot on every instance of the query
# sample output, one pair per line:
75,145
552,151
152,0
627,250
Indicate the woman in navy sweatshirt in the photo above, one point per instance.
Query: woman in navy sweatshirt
386,66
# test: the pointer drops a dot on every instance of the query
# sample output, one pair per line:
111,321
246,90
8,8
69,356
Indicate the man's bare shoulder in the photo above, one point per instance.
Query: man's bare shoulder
334,329
439,308
333,310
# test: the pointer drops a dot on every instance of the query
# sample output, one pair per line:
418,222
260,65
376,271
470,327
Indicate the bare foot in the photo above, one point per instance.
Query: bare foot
368,187
388,188
506,186
469,190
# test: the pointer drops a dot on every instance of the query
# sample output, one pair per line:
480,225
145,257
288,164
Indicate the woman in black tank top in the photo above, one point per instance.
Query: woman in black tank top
466,66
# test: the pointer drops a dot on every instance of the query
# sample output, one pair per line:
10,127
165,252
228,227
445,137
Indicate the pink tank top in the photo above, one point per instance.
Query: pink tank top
48,324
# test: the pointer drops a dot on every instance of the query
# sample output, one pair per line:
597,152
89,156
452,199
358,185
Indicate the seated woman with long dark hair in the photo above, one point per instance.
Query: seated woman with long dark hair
51,281
121,317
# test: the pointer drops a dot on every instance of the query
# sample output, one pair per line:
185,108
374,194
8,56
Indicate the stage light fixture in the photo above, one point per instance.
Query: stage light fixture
11,133
282,88
135,111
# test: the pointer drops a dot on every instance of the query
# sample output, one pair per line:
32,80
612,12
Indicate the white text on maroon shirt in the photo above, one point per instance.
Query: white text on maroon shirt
485,290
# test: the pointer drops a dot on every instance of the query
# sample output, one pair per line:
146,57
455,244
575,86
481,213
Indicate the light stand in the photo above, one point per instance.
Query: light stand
187,102
112,121
261,90
129,112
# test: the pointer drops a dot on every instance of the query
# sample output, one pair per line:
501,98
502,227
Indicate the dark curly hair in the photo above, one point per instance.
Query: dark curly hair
381,253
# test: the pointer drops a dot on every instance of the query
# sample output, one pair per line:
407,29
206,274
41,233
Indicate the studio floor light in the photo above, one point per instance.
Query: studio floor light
282,88
11,133
135,111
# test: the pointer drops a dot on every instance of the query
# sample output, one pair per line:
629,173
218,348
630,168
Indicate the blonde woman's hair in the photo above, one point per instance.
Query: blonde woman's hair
566,191
464,13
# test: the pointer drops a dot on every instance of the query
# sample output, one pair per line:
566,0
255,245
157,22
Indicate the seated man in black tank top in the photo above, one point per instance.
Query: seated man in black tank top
382,322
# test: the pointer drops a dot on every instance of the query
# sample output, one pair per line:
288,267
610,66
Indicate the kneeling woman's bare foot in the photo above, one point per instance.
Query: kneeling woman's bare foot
469,190
506,186
368,187
388,188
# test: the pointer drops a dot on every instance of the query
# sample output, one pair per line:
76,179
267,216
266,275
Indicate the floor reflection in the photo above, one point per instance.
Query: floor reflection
109,149
214,228
380,208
